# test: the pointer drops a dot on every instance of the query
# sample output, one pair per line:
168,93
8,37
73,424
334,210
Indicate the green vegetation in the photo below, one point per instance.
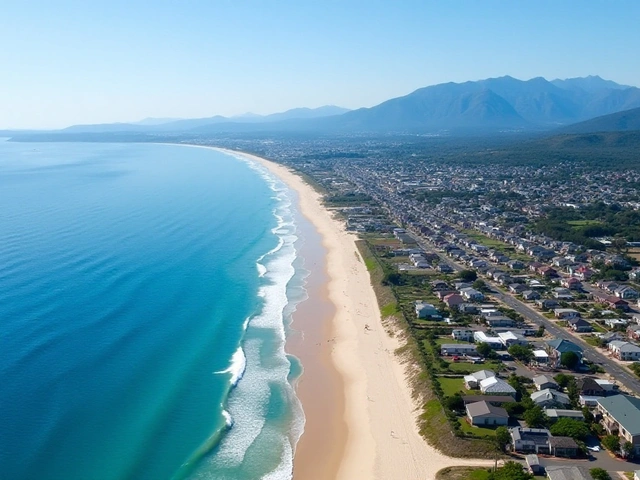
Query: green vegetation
568,427
599,474
611,443
535,417
583,225
450,386
569,360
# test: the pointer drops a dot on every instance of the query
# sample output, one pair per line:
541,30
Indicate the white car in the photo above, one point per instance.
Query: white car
594,449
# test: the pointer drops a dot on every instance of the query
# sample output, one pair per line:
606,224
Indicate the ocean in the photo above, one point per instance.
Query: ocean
146,293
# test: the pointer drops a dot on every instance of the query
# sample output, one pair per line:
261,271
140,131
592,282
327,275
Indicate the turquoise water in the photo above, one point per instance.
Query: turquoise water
136,284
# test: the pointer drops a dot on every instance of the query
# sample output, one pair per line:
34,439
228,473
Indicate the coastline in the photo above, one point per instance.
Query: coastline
375,434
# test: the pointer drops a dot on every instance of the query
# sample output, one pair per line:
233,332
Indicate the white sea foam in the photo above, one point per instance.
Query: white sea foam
247,405
228,419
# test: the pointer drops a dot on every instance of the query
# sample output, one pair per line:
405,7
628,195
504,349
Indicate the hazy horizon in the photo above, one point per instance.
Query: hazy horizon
83,64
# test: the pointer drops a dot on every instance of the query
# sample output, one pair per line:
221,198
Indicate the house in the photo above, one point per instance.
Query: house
626,292
589,387
530,295
510,338
496,386
549,398
616,322
626,351
440,285
483,413
562,294
580,325
540,357
449,349
547,272
584,273
467,308
463,334
611,301
515,265
543,382
517,288
499,321
530,440
558,346
453,300
444,268
621,416
568,472
547,303
482,337
566,313
556,414
426,310
472,294
563,447
572,283
473,381
612,336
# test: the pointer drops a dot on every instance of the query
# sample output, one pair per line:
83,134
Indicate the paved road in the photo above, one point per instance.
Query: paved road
621,374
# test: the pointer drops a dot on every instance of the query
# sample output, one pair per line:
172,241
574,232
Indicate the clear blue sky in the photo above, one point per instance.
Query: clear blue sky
92,61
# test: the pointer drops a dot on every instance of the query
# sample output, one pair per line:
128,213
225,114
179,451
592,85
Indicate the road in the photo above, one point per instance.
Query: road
621,374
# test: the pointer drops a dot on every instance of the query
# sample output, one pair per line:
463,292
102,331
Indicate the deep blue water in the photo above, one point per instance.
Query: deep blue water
127,275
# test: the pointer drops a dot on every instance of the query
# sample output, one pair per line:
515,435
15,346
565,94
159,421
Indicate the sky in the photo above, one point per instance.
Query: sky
70,62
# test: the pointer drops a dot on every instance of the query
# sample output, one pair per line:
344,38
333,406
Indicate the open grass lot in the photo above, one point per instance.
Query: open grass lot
441,340
451,386
463,473
475,367
477,431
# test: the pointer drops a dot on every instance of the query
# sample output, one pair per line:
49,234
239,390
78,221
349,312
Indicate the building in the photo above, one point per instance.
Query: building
450,349
621,416
558,346
555,414
543,382
496,386
493,342
533,462
530,440
563,447
540,357
579,325
509,338
473,381
462,334
497,321
568,472
549,398
426,310
483,413
566,313
626,351
453,300
472,294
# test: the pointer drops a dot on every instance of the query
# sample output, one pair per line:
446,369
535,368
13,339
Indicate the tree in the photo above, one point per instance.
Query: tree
468,275
540,331
611,443
626,449
503,438
521,353
483,349
535,417
510,471
454,402
568,427
569,360
599,474
564,380
479,285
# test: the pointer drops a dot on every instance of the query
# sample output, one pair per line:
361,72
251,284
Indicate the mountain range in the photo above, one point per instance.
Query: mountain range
484,106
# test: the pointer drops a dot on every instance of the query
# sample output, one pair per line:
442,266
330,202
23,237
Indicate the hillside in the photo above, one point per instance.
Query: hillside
625,121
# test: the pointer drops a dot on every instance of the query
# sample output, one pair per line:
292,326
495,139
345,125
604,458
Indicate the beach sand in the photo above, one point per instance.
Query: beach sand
361,419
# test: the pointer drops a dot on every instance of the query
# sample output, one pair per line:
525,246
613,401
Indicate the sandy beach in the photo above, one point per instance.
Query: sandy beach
375,435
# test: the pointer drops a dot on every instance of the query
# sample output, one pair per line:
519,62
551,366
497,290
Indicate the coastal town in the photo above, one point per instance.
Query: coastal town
529,340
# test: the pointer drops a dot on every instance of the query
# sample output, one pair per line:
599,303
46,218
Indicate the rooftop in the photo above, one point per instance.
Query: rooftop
625,410
484,408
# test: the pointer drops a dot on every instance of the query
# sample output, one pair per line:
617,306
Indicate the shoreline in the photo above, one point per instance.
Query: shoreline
378,425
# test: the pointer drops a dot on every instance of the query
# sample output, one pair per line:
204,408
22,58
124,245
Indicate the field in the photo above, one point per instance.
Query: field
583,223
498,245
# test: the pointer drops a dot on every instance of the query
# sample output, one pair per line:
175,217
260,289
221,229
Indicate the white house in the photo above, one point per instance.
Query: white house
426,310
510,338
496,386
473,381
624,350
458,349
462,334
481,337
